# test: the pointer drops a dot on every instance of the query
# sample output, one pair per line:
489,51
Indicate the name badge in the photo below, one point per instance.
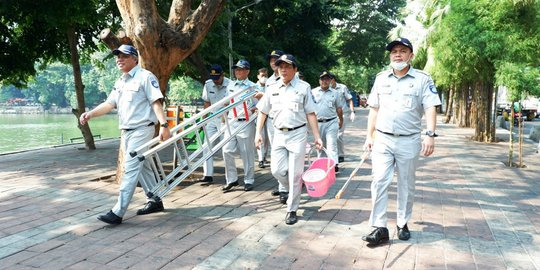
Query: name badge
407,103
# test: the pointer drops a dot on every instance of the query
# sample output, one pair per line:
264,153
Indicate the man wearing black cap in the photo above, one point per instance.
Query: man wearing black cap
243,141
291,103
272,57
399,98
214,90
137,97
329,114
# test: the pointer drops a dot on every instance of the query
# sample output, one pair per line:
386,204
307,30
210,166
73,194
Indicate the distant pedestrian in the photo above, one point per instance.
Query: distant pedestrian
214,90
291,104
348,114
262,151
329,115
398,100
137,97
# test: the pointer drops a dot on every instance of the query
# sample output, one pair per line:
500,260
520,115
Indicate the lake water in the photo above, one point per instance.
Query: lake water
29,131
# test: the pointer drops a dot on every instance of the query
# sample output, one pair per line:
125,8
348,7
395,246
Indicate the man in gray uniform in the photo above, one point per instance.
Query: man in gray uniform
243,141
348,113
137,97
290,102
272,57
215,89
398,100
329,114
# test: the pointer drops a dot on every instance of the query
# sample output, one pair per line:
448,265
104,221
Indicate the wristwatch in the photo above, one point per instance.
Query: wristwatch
430,133
165,125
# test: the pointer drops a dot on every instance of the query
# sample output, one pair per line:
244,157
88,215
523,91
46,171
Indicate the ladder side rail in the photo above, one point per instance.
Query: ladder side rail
162,145
161,190
218,106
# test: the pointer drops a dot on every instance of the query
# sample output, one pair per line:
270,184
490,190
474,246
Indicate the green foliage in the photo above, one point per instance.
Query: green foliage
184,90
519,80
36,32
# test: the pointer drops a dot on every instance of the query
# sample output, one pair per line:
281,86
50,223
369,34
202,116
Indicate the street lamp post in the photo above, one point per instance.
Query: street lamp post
232,14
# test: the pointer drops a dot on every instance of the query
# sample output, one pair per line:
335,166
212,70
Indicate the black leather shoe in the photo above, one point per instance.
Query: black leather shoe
336,168
275,192
291,218
341,159
261,164
283,196
228,187
110,218
206,179
248,187
377,236
151,207
403,233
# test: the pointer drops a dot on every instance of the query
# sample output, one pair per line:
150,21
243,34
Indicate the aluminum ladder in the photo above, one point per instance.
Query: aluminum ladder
164,181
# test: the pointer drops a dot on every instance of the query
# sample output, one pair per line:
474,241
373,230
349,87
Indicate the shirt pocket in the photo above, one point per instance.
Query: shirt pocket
131,92
409,100
297,103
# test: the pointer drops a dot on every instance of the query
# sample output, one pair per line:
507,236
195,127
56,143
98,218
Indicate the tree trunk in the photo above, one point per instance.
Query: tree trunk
162,45
449,104
481,111
79,89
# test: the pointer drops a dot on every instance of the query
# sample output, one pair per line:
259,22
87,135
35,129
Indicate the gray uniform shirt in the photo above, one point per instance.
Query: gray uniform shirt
213,93
288,104
133,95
237,86
344,95
402,101
327,102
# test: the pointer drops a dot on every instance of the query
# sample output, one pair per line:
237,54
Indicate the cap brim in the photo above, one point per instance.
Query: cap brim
215,77
394,43
240,66
117,52
279,61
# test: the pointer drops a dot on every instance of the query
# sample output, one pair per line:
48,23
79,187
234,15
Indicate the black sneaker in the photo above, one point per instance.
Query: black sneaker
341,159
261,164
151,207
110,218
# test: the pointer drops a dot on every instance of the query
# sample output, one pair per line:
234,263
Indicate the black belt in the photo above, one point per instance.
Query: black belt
396,135
241,119
130,129
290,129
325,120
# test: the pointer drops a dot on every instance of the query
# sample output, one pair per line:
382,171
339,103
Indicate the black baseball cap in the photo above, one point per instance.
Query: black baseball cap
275,54
401,41
286,58
242,64
126,49
215,72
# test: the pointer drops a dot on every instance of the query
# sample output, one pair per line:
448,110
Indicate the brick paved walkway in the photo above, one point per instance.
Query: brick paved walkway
471,212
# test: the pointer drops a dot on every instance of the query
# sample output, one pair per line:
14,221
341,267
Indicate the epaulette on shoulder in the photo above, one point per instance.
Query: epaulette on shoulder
422,72
208,81
304,83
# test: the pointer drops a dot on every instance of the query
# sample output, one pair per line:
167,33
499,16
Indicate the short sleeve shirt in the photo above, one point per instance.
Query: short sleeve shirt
344,95
213,93
327,102
133,95
402,101
238,86
288,104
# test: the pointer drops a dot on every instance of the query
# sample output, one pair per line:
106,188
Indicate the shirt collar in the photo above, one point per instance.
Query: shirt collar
134,70
411,72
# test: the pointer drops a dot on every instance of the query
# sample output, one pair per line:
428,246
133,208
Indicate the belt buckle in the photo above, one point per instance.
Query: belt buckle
284,129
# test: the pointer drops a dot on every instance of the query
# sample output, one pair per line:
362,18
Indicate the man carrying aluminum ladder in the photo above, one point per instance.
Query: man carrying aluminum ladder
215,89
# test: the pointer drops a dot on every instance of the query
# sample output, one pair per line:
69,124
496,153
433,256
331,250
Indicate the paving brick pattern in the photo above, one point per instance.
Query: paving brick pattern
471,212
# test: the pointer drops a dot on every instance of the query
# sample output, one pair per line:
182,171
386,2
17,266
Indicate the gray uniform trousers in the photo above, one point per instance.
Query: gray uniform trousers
271,130
403,153
267,140
341,132
132,167
287,163
243,142
211,129
329,133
